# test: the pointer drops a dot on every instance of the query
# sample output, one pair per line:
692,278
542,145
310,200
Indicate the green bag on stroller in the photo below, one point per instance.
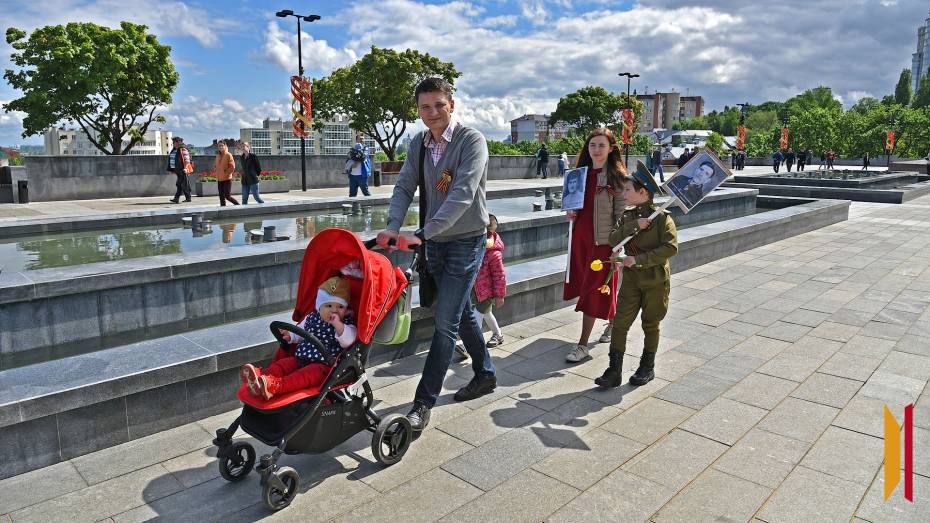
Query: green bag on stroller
395,327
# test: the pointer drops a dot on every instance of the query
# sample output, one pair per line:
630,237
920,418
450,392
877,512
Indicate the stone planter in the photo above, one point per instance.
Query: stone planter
265,186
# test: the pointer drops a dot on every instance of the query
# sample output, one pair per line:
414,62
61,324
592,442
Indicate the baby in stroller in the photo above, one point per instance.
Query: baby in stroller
331,323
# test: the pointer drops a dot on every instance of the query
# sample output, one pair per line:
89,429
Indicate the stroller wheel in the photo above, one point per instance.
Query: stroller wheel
238,462
392,439
281,488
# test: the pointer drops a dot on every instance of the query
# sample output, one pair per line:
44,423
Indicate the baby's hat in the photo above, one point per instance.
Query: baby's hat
333,290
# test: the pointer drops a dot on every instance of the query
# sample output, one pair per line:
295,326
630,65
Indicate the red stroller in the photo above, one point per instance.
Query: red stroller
317,419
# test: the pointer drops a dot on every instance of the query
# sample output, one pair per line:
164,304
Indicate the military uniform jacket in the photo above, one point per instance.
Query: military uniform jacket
651,247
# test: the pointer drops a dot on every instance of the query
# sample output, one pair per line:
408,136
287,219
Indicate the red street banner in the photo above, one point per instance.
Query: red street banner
740,137
784,138
889,140
629,119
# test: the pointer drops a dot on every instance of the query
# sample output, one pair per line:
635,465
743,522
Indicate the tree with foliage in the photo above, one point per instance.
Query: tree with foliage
902,91
865,105
816,98
922,96
108,81
376,93
589,108
715,142
692,124
761,121
817,128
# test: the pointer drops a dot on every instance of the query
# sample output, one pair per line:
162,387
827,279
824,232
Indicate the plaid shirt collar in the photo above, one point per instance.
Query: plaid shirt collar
446,135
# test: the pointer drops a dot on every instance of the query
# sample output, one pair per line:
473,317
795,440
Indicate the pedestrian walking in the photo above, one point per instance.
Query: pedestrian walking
777,157
657,164
179,163
491,284
223,168
789,160
452,162
830,157
590,237
865,162
542,162
358,169
563,163
802,160
251,174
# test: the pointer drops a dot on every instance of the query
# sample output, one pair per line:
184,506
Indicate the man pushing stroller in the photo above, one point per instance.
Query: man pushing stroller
450,161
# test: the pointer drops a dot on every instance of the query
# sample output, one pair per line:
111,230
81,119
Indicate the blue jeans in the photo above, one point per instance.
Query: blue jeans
356,182
455,266
657,169
253,189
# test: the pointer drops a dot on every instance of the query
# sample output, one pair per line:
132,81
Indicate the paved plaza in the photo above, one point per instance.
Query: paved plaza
773,369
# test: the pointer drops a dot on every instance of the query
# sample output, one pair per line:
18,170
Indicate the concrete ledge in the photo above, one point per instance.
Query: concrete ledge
137,389
899,195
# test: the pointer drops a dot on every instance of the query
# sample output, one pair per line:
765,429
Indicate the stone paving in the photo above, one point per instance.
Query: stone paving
773,370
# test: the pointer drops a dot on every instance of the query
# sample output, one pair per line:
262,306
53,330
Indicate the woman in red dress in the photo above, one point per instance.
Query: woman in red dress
603,206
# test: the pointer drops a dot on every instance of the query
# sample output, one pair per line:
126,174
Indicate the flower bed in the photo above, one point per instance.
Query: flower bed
269,182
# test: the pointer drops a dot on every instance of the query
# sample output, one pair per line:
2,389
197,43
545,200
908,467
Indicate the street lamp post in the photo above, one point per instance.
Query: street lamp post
626,146
300,71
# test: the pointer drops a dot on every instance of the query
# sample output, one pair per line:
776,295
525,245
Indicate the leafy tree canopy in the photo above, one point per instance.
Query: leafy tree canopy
376,93
922,96
591,107
903,91
108,81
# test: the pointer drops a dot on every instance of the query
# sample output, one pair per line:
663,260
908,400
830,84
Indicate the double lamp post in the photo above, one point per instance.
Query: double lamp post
300,71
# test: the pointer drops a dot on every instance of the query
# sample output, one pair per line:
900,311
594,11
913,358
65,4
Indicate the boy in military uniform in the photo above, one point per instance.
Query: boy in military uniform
645,277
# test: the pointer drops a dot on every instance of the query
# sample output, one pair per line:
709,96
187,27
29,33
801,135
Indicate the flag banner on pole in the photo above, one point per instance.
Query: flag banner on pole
740,137
784,138
629,119
889,140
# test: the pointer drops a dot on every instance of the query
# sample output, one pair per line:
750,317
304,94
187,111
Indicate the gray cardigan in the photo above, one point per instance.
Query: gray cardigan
460,212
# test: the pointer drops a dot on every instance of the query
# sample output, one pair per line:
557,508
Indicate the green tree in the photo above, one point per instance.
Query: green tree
589,108
865,105
376,93
816,98
715,142
902,91
817,129
922,96
760,144
761,121
109,81
691,124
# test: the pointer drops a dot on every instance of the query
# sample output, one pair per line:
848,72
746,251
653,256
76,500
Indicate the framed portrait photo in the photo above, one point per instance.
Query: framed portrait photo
703,173
573,189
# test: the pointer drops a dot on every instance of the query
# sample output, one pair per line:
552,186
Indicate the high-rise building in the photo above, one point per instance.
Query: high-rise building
920,61
664,110
277,137
536,128
74,142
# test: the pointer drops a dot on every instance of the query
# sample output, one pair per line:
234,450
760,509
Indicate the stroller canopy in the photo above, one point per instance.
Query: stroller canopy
372,298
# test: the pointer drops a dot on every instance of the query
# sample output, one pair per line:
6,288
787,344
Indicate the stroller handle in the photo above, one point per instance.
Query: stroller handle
418,254
276,325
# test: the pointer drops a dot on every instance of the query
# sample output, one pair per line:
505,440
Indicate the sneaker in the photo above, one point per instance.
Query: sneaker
460,351
577,354
495,341
249,375
173,201
480,385
268,386
605,336
418,416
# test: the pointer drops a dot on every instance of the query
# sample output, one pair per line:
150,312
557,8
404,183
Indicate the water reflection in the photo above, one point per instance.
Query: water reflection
60,250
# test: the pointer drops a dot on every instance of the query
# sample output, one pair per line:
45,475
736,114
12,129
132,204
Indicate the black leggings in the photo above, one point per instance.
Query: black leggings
224,190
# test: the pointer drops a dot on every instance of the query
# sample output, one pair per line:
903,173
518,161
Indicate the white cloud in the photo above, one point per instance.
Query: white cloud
171,18
500,21
201,117
281,49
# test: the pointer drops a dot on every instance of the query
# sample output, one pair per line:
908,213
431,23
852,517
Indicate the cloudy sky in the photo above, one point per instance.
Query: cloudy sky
516,56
